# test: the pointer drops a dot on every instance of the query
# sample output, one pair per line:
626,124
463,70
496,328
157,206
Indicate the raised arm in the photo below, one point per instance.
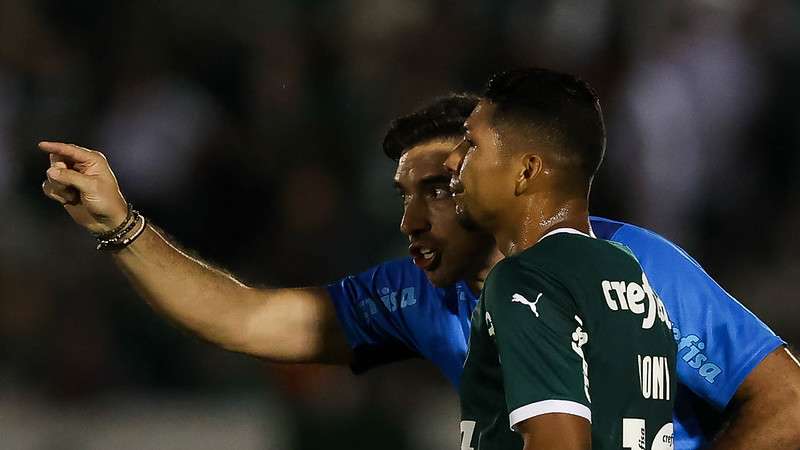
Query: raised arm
289,325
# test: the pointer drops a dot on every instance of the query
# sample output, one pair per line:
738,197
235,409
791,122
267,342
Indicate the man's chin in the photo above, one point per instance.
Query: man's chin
441,278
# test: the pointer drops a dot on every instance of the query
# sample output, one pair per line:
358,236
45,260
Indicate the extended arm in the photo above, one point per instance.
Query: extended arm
288,325
765,411
292,325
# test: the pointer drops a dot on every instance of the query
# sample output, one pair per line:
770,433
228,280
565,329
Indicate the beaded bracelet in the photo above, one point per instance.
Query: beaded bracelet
129,240
119,230
117,242
116,236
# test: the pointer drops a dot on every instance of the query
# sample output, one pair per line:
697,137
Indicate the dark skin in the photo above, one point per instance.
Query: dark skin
556,431
519,193
517,196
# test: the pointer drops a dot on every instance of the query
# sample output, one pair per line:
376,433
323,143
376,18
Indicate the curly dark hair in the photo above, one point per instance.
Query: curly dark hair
442,118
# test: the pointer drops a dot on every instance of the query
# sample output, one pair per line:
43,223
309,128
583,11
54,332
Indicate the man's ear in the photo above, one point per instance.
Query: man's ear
530,168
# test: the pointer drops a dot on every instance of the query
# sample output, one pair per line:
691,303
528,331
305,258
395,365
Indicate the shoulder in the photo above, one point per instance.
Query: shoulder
605,228
515,276
569,253
507,272
615,230
648,246
383,279
501,272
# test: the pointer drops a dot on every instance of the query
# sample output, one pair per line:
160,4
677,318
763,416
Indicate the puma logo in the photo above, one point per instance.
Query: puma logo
532,305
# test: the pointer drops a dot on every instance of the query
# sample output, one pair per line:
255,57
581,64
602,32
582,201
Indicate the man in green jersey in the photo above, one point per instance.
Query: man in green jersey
569,347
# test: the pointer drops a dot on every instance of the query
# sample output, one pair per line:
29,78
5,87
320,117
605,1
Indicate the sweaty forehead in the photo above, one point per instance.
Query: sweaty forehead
424,160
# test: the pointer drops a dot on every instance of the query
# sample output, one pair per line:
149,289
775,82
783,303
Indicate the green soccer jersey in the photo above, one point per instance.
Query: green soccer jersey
571,325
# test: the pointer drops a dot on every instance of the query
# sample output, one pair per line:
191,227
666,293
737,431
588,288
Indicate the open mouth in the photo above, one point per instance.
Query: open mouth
425,258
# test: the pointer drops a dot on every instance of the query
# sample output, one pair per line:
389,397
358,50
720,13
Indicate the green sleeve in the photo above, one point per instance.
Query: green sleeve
538,336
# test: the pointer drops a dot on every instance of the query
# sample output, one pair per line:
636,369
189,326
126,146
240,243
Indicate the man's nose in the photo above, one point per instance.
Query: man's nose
453,160
414,219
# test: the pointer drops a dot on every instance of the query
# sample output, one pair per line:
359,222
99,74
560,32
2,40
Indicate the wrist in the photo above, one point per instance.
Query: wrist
117,225
118,220
114,222
138,228
128,231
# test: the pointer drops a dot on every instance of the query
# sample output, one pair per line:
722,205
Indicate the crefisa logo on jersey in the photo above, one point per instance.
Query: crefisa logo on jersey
691,351
636,298
391,300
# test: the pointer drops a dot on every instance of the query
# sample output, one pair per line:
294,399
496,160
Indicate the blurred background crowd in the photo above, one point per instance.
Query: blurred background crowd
250,131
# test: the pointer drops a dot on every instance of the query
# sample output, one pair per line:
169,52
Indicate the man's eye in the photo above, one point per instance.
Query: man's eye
441,193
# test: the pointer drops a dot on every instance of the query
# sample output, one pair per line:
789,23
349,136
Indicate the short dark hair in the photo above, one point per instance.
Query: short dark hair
443,118
561,108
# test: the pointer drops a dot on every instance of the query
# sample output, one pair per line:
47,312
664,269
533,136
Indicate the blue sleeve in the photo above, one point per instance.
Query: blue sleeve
370,308
719,340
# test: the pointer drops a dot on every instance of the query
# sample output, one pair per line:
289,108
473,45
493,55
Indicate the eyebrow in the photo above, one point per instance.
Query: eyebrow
430,180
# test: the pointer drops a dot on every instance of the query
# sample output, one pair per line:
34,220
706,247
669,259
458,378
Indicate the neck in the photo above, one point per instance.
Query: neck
525,226
476,283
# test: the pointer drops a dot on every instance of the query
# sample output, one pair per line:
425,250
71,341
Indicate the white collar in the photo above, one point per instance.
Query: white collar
569,231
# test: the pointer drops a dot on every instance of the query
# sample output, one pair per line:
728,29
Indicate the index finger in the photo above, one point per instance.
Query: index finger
71,151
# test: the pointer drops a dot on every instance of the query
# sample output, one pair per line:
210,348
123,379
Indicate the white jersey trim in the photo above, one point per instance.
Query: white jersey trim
569,231
548,407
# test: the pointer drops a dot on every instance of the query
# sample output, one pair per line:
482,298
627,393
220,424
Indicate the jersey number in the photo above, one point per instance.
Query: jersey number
467,430
634,437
